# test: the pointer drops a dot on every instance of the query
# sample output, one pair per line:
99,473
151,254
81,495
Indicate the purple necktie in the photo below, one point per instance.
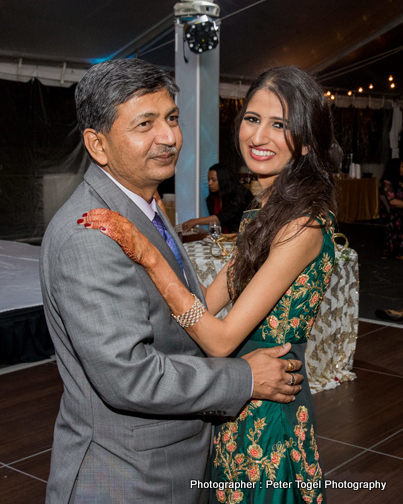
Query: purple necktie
158,223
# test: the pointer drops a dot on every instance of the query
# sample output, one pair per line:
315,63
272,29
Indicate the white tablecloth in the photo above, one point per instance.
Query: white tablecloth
19,276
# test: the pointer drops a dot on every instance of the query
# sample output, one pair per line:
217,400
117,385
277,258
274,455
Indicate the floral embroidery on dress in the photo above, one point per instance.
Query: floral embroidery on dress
309,289
250,464
313,470
269,442
304,296
254,462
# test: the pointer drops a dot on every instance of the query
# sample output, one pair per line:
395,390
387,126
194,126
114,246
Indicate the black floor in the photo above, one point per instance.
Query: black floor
381,280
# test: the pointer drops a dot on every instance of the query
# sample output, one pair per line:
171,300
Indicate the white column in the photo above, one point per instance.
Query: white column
198,103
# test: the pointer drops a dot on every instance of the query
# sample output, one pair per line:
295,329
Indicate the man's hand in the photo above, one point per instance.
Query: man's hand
271,381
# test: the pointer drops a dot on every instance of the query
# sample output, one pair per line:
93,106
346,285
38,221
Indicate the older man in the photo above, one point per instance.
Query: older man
132,426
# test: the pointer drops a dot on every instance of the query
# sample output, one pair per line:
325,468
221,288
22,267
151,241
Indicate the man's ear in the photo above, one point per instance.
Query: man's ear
94,142
304,151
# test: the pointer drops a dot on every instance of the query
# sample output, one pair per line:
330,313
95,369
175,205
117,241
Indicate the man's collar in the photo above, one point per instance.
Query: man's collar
148,209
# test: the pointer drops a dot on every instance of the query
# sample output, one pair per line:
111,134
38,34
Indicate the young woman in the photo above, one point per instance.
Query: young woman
226,201
277,279
392,189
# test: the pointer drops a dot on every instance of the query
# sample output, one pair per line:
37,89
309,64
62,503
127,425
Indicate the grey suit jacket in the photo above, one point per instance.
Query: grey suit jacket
132,425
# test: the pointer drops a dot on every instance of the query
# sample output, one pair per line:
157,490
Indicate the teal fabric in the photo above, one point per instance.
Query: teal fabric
268,454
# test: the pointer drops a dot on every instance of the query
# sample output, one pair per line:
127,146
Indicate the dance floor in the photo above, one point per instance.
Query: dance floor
360,424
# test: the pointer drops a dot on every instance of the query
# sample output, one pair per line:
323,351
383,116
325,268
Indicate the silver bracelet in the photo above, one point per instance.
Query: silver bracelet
191,316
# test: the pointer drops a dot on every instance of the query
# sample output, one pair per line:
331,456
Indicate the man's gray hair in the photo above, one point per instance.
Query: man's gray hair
107,85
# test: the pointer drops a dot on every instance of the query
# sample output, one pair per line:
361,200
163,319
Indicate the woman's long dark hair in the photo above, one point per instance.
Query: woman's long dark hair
230,190
305,186
392,173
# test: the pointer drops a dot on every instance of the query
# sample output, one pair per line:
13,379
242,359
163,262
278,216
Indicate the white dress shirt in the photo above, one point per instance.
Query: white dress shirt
148,209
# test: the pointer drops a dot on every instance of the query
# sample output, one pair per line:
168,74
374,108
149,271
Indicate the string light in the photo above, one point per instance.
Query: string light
328,94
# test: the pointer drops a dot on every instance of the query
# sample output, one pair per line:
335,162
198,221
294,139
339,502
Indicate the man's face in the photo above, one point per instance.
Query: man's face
142,147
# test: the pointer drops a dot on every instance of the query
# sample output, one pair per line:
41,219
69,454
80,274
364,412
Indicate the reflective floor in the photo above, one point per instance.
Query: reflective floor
360,425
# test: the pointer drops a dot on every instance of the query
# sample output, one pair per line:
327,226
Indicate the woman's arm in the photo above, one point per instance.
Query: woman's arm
216,294
219,338
200,221
397,203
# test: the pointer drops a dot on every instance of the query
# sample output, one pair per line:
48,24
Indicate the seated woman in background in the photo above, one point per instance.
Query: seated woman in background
392,189
226,201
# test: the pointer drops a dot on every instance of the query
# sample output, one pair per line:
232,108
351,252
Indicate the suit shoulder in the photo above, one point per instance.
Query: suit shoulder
64,222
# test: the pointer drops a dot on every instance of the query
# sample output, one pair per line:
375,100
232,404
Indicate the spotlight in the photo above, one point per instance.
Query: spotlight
201,34
350,93
391,77
200,30
371,86
392,85
360,90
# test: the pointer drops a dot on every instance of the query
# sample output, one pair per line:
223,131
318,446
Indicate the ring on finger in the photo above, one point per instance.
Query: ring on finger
292,380
290,366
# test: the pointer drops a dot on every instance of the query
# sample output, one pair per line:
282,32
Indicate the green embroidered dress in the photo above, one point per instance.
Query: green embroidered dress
268,454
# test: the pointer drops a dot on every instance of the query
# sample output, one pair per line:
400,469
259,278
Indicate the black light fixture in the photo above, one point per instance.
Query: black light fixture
201,34
199,28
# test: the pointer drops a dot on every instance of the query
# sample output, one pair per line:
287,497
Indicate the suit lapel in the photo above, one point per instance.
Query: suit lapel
116,200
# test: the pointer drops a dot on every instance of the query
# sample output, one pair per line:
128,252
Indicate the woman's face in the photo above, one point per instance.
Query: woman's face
213,181
262,137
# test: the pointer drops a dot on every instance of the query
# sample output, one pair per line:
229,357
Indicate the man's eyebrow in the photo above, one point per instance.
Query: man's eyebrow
144,115
174,110
152,115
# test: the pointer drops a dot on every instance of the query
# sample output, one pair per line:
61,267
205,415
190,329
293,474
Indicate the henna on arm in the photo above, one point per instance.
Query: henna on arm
217,337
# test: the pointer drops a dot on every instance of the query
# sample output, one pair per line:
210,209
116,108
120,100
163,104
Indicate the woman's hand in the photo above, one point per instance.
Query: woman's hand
189,224
133,243
200,221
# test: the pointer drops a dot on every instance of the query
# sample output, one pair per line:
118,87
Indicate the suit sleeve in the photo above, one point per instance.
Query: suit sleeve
105,306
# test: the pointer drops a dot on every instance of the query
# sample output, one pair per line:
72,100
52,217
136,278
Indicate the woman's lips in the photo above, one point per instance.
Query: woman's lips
261,154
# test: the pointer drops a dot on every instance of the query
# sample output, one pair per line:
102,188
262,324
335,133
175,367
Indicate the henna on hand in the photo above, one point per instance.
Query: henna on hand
133,243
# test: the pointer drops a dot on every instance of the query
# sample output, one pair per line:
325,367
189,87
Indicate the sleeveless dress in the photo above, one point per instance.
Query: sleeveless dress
268,454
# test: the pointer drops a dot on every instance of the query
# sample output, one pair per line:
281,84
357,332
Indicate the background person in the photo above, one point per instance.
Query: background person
392,189
226,201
